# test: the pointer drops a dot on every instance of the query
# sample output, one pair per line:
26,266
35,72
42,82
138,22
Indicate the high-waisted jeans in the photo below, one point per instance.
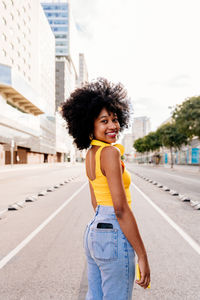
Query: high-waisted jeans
110,258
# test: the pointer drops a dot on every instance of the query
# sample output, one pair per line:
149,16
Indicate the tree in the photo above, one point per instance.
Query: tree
153,140
139,145
171,138
148,143
187,117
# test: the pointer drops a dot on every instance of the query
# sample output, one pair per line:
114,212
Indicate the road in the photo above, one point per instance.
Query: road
16,184
48,260
187,183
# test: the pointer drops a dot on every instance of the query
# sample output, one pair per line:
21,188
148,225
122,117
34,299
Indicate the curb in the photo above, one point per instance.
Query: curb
32,198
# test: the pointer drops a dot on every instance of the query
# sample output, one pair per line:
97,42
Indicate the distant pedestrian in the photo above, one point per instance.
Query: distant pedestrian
95,114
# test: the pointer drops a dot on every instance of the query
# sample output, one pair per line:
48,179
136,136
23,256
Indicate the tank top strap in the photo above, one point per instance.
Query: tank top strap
98,160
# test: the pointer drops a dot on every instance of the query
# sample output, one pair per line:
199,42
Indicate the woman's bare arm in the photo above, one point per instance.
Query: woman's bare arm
111,165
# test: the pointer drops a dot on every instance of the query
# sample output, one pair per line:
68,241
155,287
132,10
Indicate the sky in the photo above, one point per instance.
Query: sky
151,46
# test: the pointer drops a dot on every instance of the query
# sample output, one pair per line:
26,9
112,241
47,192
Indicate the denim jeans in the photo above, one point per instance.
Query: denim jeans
110,259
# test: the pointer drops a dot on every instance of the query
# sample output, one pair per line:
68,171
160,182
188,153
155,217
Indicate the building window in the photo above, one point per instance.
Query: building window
4,21
11,46
12,2
4,4
59,22
60,36
56,14
24,22
12,17
4,36
18,39
12,61
62,51
4,52
18,26
18,67
18,12
61,43
55,29
55,7
18,53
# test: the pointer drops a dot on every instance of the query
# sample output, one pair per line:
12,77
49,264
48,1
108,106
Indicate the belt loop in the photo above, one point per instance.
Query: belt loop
97,210
96,213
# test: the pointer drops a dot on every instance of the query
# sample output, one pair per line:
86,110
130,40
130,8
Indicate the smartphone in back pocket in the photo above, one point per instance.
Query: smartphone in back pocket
105,225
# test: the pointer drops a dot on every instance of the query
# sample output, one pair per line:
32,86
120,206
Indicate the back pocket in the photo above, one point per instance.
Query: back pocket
104,243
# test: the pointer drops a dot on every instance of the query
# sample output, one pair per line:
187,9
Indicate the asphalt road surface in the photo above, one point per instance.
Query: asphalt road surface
41,251
181,180
16,184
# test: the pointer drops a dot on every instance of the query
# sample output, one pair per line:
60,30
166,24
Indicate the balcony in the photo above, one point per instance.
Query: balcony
18,92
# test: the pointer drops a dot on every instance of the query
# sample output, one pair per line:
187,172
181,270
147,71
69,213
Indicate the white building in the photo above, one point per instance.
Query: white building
65,80
127,142
27,83
141,127
83,72
64,143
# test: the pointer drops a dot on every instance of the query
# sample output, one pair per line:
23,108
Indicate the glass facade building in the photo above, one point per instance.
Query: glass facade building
58,18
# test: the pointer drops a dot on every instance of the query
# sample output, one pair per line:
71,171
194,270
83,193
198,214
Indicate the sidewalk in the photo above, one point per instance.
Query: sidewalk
178,168
188,168
18,167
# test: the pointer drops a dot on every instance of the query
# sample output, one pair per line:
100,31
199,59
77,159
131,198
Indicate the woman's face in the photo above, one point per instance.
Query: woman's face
106,127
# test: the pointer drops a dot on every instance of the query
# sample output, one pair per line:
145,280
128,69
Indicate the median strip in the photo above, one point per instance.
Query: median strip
16,250
31,198
183,198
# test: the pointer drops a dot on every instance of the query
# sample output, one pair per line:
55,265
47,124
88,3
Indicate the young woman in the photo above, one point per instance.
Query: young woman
95,115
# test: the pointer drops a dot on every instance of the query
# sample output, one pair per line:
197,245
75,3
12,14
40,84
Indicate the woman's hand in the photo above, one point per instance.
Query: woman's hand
144,269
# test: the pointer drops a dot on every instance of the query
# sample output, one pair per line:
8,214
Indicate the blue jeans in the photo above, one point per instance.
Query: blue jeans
110,259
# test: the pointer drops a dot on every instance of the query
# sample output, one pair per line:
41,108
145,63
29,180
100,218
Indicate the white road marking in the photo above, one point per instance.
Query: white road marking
10,255
182,233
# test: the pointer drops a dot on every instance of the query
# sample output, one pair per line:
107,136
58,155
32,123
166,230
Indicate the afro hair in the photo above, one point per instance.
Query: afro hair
85,103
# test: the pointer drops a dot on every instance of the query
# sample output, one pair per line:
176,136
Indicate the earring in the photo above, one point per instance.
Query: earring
91,136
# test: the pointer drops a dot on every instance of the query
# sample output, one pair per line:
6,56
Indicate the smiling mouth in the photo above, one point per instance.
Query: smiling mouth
111,134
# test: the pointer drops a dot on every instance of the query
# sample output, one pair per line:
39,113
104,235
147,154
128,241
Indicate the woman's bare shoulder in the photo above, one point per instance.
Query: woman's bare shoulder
110,153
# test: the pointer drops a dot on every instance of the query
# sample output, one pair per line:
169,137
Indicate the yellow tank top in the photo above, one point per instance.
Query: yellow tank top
100,183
